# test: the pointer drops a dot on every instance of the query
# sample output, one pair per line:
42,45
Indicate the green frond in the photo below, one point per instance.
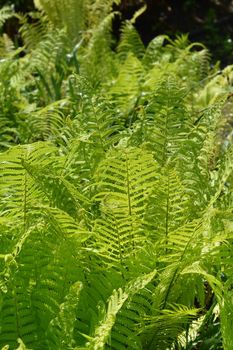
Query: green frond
10,100
198,156
97,10
102,333
100,120
167,207
16,187
98,61
44,67
63,224
202,59
115,184
214,282
6,12
224,171
126,89
17,318
225,304
165,122
160,331
7,47
45,123
154,51
217,85
125,180
66,14
130,43
198,70
94,297
180,42
56,187
126,174
35,32
60,329
34,275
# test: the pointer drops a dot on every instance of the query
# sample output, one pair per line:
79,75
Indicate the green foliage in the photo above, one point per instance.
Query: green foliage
115,184
5,14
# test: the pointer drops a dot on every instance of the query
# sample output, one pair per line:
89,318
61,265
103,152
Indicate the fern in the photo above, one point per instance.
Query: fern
98,53
123,198
130,42
167,326
5,13
115,303
127,87
115,184
61,328
65,14
167,206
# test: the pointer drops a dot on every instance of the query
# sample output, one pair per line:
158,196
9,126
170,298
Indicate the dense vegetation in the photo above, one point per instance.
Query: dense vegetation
209,21
116,186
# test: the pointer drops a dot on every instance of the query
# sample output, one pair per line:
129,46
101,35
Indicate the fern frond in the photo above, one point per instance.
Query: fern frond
43,284
126,89
167,207
44,67
203,58
125,179
180,42
17,318
226,320
165,123
69,14
46,123
225,170
133,170
154,51
162,330
6,13
130,43
16,187
98,61
217,85
199,158
102,334
33,33
117,226
97,10
99,119
7,47
60,329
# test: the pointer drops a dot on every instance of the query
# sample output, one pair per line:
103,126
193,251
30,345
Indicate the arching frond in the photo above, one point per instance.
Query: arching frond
6,12
154,51
102,333
162,330
33,33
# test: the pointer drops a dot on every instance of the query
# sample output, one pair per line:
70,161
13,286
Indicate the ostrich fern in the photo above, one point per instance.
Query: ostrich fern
116,187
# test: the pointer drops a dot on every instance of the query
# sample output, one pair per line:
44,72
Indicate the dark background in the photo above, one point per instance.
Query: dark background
207,21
